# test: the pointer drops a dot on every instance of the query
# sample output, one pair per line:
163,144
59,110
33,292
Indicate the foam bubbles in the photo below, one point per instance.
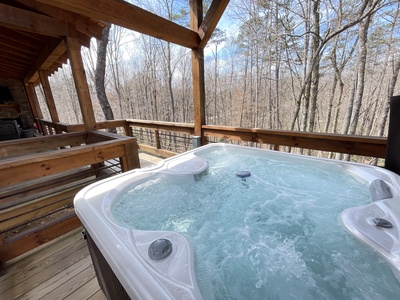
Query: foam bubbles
273,236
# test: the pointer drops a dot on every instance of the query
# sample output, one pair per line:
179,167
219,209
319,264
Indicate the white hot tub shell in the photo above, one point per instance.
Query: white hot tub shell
126,250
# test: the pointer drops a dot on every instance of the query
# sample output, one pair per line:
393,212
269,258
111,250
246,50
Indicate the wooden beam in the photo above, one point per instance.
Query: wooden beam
20,19
49,54
211,20
13,37
33,101
82,24
81,85
44,79
127,15
196,15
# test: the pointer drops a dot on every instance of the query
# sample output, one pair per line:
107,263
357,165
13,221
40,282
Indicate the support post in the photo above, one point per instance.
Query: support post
157,142
130,160
81,85
392,160
44,79
34,103
196,18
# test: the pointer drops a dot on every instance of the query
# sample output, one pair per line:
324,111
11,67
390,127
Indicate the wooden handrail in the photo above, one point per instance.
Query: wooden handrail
163,126
44,162
357,145
346,144
41,175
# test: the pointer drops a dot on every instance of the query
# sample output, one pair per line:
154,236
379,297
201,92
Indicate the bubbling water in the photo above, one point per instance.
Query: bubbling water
272,235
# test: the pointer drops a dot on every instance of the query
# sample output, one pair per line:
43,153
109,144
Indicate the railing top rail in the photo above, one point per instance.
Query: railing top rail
288,133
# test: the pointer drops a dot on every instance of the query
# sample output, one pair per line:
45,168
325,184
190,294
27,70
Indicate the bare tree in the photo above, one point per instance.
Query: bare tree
100,74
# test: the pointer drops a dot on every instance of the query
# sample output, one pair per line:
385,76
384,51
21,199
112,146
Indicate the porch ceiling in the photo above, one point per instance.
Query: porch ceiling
32,32
32,37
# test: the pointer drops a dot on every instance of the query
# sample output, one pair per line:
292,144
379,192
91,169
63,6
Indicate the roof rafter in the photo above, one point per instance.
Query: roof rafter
82,24
132,17
51,52
20,19
211,20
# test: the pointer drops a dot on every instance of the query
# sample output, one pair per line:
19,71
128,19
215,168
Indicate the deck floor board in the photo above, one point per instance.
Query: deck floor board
60,269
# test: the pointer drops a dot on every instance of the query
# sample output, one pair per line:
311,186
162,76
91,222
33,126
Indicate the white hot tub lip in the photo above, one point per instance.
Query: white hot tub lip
123,247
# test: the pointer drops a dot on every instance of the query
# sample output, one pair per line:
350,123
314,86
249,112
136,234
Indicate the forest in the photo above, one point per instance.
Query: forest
312,65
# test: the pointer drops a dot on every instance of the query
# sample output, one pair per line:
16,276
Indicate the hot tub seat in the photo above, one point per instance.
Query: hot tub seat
360,221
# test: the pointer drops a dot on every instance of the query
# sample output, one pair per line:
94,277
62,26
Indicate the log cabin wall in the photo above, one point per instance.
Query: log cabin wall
17,91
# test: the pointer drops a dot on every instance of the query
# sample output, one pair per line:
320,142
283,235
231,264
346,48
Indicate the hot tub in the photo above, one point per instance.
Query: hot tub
231,222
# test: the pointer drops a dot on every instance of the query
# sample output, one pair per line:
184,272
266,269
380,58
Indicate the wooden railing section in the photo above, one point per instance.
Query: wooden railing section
40,177
277,139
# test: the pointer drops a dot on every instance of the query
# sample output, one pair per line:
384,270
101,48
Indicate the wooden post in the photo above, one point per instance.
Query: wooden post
128,129
78,72
157,142
34,103
131,159
44,79
392,160
196,18
33,100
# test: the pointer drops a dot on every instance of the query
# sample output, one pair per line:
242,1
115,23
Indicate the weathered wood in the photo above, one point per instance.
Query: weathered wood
358,145
30,239
81,286
61,127
84,25
47,57
132,17
23,273
19,169
128,129
157,141
163,126
88,291
155,151
41,144
131,160
33,101
39,188
20,19
196,18
211,20
51,105
78,72
38,272
34,210
15,170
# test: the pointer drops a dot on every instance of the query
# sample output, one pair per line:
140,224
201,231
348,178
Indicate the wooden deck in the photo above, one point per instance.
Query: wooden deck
60,269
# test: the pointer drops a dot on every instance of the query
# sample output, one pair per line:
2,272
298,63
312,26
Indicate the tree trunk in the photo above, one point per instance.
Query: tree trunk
385,113
315,62
100,74
361,59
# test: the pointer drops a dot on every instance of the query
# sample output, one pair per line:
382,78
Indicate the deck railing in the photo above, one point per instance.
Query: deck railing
24,163
40,177
167,138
